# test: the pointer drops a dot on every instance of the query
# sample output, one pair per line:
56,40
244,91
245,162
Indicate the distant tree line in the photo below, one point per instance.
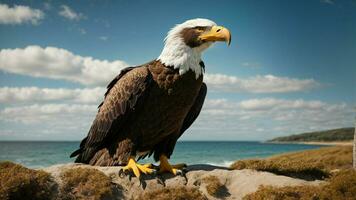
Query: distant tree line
342,134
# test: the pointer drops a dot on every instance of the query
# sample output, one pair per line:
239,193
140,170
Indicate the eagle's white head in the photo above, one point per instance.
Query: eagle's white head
185,43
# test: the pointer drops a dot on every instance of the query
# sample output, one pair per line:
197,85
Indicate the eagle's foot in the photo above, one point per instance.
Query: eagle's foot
137,168
164,166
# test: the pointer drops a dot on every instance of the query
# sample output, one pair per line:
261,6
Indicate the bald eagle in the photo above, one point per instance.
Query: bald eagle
148,107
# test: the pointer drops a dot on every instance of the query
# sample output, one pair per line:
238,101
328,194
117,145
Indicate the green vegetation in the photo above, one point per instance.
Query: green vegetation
18,182
309,165
328,158
336,135
293,169
341,186
85,183
169,193
331,164
282,193
214,187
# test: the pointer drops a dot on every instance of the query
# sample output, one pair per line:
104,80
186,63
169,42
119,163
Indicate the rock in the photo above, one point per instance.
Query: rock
237,183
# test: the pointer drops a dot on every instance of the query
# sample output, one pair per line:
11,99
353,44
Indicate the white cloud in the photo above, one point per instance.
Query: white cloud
258,84
47,121
256,119
69,114
13,95
19,14
267,118
272,103
70,14
104,38
57,63
275,109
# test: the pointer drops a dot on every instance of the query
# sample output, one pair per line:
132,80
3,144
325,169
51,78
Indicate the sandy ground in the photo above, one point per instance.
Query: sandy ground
238,182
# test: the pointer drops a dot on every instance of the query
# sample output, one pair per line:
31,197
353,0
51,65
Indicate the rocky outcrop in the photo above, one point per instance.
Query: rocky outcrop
232,184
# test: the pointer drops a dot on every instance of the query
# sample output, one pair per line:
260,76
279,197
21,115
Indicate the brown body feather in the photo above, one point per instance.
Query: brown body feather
146,109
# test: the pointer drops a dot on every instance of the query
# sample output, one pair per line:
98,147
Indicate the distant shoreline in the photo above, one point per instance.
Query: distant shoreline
336,143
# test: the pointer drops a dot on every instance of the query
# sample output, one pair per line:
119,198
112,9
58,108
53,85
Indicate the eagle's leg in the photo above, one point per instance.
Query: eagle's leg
164,166
137,168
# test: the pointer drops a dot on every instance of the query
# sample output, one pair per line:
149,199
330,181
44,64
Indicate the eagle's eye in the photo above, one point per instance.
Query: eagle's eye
200,28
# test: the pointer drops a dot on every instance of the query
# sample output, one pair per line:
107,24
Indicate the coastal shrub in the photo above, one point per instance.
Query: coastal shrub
177,193
284,167
330,158
248,164
341,186
86,183
310,164
214,187
285,193
18,182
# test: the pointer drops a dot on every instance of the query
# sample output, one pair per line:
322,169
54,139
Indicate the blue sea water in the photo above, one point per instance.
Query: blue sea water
43,154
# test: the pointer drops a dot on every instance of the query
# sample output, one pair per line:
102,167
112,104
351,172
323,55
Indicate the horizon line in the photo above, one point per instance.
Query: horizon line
177,141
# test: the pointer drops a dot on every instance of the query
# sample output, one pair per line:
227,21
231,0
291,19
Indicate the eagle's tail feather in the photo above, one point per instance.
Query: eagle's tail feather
84,155
76,152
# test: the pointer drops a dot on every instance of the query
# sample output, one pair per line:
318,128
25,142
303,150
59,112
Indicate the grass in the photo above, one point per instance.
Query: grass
18,182
337,157
214,187
310,164
293,169
170,193
341,186
285,193
85,183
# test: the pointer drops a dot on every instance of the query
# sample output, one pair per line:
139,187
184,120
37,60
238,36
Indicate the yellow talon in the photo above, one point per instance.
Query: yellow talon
149,165
137,168
164,166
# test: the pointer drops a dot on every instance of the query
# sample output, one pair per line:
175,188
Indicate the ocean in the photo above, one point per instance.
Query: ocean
43,154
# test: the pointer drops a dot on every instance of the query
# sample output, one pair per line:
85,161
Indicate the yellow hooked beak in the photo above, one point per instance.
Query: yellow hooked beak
217,33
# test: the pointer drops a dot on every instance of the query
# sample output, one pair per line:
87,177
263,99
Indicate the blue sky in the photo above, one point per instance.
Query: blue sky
291,66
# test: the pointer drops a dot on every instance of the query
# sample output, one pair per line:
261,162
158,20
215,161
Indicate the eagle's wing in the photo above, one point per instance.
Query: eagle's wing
125,93
195,109
188,121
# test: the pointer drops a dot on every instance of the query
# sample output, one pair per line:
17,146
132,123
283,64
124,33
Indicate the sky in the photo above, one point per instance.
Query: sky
291,66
